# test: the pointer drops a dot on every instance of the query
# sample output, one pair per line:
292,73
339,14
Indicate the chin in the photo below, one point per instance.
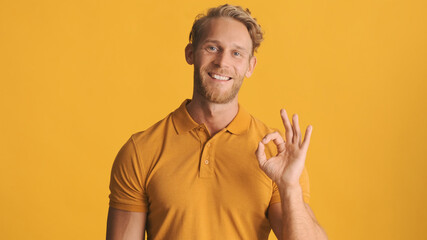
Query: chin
215,93
218,97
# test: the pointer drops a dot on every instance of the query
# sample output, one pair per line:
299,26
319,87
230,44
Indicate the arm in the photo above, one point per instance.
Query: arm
127,193
292,218
275,216
125,225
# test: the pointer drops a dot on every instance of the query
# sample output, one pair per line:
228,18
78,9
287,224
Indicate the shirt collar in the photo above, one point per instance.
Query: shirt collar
182,119
184,123
240,123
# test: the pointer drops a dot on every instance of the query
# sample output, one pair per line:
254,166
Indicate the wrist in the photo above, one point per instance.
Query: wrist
291,191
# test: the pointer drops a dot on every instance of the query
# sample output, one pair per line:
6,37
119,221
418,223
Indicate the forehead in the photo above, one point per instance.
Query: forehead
227,31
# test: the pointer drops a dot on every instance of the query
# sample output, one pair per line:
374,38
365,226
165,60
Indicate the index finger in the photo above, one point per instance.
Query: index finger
277,139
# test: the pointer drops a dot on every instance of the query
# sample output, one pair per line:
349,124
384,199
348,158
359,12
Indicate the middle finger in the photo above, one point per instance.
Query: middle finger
288,128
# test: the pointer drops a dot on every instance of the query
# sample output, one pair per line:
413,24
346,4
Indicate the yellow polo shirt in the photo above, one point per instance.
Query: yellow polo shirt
194,186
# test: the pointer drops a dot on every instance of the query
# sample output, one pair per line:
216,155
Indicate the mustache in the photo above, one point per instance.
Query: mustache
220,71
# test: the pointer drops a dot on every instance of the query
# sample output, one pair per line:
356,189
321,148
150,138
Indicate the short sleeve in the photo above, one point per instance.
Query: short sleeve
305,186
127,191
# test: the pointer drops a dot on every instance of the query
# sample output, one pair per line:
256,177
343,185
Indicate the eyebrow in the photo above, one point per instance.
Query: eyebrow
218,42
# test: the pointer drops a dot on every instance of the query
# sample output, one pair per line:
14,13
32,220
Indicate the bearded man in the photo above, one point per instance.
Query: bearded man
206,171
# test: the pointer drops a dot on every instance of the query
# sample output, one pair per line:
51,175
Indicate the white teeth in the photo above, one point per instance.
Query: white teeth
220,77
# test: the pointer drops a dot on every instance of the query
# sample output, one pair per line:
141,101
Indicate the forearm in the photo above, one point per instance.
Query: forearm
297,221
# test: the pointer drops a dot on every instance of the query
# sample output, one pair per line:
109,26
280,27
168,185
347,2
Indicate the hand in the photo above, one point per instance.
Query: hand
286,167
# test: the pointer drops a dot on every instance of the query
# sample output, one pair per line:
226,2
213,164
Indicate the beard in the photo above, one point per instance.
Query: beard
212,91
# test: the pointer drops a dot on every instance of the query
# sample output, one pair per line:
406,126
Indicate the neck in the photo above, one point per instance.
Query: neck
215,116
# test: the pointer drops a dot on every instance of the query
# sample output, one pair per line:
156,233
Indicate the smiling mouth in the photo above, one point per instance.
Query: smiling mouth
219,77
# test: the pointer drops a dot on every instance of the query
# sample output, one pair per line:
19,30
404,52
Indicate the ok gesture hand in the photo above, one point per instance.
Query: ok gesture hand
286,167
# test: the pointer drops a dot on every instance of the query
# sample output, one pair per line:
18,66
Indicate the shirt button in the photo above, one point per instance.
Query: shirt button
208,144
206,161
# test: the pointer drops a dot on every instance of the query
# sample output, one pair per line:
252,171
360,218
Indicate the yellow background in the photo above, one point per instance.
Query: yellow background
78,77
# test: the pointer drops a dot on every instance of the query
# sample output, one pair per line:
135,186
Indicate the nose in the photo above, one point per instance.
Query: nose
222,60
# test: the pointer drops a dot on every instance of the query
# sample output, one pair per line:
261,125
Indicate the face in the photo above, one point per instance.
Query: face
221,60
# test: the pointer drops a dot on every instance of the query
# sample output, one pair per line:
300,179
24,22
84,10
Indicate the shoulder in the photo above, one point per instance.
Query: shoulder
154,133
148,134
258,130
143,142
259,127
142,147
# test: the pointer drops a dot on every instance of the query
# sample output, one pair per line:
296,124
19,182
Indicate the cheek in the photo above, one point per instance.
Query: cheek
242,69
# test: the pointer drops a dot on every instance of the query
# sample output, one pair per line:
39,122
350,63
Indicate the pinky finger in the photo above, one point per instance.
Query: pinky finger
307,137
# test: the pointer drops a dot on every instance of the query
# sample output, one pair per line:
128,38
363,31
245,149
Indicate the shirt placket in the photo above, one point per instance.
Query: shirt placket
206,156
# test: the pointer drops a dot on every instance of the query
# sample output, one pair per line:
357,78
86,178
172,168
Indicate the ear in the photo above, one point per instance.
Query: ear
189,54
252,64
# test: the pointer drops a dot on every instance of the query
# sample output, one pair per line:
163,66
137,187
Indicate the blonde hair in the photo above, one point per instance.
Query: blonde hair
226,10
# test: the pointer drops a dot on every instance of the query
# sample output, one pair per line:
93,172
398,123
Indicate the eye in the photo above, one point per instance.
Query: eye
212,49
237,54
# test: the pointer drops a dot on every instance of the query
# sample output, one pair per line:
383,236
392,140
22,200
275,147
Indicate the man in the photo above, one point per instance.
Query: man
206,171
